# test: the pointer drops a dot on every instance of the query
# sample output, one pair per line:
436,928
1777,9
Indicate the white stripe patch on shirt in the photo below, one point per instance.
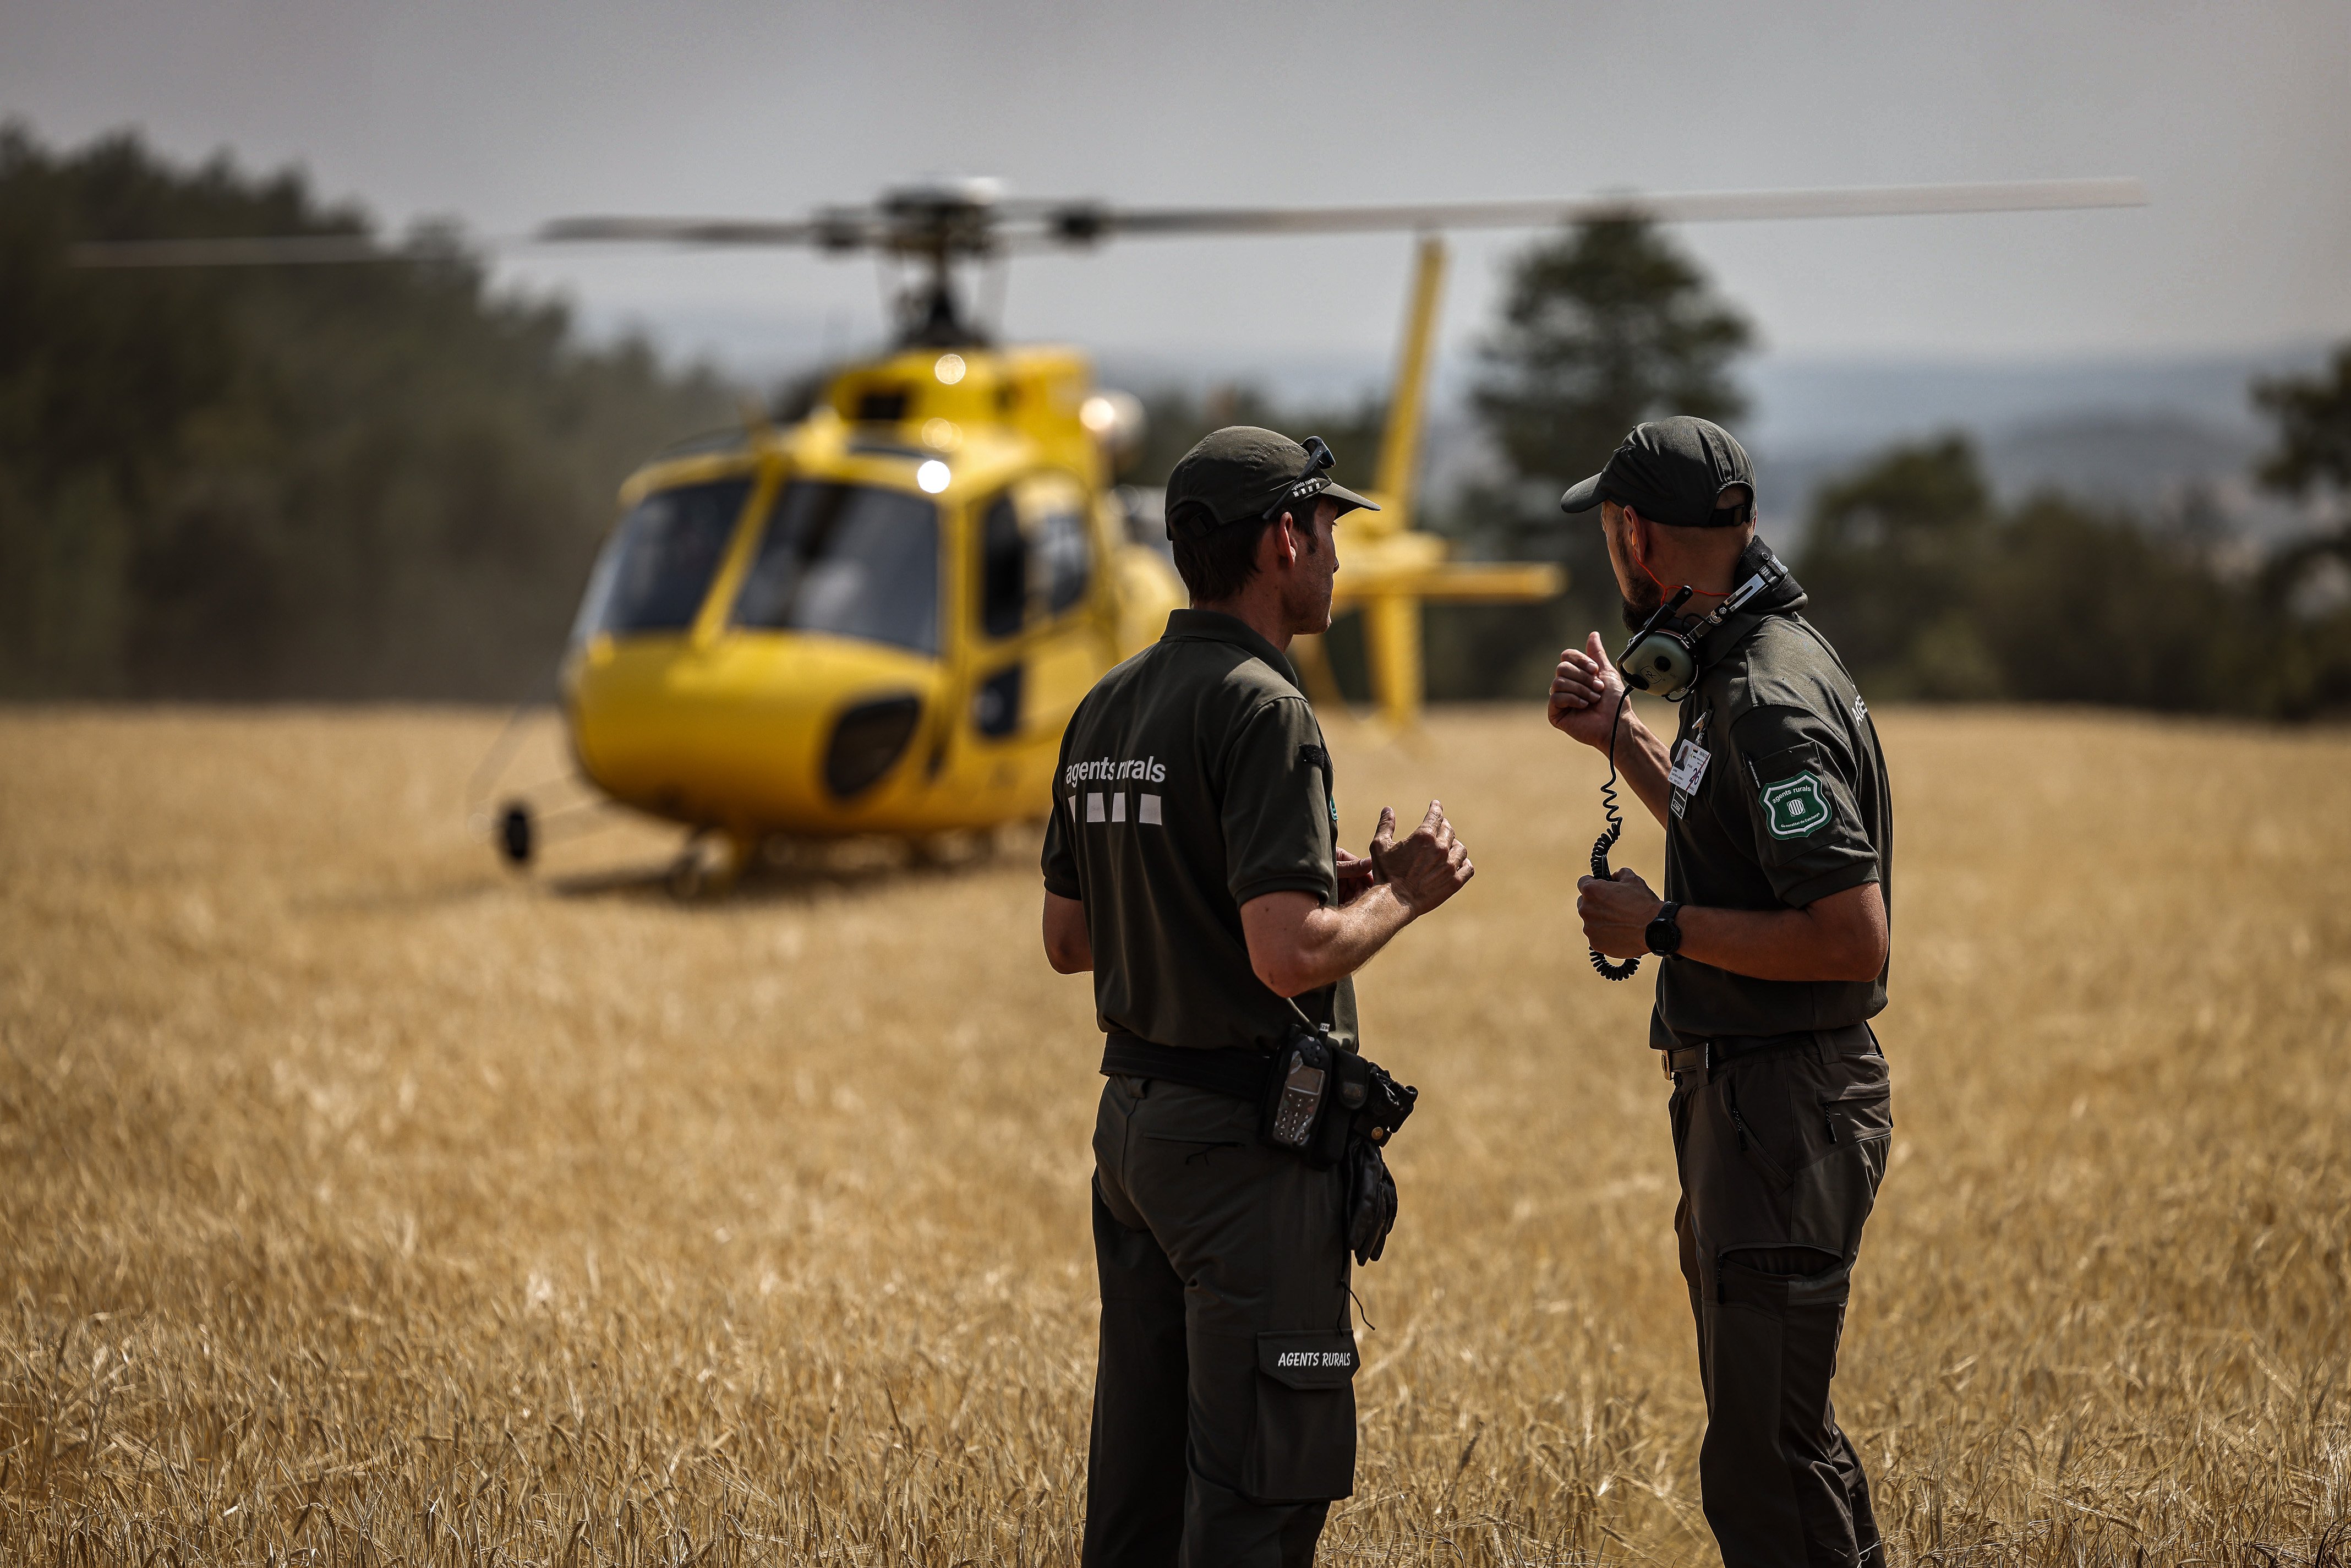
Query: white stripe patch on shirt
1118,807
1147,811
1094,807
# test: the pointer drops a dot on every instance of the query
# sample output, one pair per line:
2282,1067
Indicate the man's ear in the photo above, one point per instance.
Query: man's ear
1636,538
1284,536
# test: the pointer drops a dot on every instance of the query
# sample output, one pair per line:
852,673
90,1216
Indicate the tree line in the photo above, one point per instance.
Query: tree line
1931,589
388,481
316,482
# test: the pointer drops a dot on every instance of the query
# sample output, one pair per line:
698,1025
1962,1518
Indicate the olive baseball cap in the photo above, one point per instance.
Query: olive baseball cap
1242,473
1673,471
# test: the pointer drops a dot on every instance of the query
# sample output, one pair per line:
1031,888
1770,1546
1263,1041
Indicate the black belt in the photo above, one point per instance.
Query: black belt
1239,1073
1853,1040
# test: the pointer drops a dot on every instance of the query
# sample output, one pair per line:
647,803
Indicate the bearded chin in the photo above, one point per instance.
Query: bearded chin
1638,615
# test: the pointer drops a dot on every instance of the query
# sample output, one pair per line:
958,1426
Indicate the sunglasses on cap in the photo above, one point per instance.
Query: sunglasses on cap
1318,458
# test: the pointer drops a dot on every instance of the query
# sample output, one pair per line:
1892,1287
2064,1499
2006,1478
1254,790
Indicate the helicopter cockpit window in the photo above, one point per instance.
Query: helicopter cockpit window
1036,554
658,565
849,560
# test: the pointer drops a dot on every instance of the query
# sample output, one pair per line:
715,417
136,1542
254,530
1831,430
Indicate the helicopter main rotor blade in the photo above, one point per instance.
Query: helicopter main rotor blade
945,229
1078,223
844,231
252,250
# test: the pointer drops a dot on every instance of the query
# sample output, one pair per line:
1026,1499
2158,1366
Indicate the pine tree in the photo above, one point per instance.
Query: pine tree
1604,326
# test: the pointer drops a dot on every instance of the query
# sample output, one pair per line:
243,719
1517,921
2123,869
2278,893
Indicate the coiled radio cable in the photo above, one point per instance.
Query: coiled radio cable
1602,966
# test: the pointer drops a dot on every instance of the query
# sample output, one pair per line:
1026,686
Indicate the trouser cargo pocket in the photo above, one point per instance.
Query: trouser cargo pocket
1833,1195
1302,1449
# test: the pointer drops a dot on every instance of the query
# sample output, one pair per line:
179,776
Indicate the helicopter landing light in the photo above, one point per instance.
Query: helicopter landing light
949,370
942,435
933,477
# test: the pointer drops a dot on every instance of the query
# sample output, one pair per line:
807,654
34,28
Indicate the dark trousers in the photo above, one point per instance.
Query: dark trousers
1224,1417
1780,1155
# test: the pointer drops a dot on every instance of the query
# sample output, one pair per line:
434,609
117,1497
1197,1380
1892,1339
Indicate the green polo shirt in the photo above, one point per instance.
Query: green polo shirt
1781,798
1194,779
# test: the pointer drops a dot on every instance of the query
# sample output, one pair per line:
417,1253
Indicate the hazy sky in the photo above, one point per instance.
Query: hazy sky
504,114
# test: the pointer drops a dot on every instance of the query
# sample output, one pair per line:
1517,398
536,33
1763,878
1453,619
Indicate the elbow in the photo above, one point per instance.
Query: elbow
1068,958
1863,958
1283,974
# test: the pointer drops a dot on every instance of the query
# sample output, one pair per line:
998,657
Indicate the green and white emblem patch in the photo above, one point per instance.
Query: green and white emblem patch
1796,808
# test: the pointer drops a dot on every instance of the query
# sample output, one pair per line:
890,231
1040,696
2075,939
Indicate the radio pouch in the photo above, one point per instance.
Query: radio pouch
1321,1100
1297,1091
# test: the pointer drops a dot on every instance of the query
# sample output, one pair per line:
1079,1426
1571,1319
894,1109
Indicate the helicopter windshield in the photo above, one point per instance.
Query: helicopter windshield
851,559
654,574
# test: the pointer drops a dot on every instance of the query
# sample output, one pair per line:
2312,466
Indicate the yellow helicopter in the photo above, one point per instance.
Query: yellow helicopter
878,619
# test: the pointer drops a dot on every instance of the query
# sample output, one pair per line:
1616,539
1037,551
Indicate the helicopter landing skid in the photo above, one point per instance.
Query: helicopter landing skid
710,862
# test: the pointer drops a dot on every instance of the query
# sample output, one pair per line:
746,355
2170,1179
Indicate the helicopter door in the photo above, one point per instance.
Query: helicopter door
1039,648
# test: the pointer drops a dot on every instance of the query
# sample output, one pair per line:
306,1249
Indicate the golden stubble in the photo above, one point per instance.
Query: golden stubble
364,1204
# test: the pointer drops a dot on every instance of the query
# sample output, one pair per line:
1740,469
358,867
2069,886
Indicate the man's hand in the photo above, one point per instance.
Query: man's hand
1297,944
1584,694
1427,865
1617,912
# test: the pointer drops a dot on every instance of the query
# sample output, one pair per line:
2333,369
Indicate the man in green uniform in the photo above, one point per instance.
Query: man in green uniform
1192,863
1772,938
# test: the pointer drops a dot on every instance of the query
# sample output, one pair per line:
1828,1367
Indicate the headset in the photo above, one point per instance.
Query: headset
1661,660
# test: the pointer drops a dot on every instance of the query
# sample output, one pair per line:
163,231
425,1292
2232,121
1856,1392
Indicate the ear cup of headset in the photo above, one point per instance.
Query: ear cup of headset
1660,665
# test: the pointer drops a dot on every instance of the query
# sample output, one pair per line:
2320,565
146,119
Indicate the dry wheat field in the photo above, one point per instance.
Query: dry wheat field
362,1203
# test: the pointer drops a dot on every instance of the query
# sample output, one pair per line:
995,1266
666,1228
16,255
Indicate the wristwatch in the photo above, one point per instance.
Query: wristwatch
1665,933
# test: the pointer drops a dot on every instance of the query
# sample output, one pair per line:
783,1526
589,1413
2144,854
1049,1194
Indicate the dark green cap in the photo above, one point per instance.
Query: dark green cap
1673,471
1242,473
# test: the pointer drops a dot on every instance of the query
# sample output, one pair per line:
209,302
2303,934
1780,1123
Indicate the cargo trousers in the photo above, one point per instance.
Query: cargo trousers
1779,1154
1224,1410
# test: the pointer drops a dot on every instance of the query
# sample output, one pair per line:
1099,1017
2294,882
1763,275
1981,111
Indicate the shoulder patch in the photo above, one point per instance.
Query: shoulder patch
1796,807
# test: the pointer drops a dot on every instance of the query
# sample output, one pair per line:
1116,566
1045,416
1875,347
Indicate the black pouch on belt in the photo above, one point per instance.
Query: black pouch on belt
1333,1107
1382,1105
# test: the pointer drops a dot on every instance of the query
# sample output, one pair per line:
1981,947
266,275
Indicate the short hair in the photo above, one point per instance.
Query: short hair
1218,564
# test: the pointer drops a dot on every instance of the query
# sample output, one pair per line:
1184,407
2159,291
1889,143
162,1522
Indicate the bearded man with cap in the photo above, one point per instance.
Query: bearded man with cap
1192,863
1772,940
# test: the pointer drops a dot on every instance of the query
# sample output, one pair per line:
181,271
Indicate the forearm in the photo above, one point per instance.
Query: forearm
1329,942
1782,944
1068,944
1843,937
1643,761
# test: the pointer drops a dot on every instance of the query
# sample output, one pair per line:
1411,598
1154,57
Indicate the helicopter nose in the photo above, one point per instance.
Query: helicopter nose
784,732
